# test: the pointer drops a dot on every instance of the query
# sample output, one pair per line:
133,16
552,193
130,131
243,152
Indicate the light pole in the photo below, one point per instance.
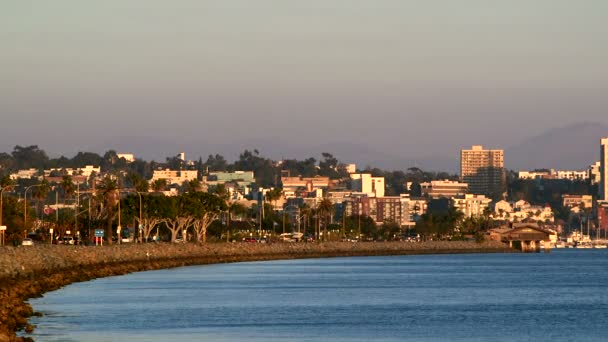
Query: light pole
2,228
25,205
1,194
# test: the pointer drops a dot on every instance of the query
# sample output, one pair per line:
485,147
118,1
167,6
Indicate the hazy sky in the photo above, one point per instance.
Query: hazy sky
410,78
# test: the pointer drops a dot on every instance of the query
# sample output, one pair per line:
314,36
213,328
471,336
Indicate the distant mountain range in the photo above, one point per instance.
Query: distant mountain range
572,147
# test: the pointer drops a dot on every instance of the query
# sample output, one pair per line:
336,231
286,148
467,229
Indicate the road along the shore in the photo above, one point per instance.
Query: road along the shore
28,272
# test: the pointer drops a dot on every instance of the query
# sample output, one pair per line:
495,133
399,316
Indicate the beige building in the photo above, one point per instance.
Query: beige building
174,177
482,170
604,169
471,205
583,201
365,183
595,177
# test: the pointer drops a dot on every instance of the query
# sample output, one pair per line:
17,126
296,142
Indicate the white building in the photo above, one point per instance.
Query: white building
572,175
603,169
27,174
174,177
129,157
471,205
534,174
365,183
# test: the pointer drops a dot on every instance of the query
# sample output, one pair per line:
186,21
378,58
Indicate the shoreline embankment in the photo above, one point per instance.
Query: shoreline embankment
28,272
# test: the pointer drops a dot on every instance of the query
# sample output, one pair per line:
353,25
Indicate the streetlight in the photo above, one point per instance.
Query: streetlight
2,228
1,193
25,205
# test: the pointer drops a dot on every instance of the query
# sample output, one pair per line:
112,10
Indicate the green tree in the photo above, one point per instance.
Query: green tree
205,208
159,185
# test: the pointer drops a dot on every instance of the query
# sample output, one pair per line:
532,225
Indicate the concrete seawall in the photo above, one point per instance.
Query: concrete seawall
28,272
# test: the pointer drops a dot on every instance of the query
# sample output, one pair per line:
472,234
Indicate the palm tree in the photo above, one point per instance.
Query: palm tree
108,191
326,208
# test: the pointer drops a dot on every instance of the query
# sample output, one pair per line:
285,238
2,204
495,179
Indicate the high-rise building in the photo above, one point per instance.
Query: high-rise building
483,170
604,169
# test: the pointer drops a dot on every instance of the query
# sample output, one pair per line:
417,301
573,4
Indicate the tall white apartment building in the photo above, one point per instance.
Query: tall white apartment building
604,169
482,170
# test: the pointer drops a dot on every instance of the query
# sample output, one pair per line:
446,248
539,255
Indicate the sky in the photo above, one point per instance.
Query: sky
394,79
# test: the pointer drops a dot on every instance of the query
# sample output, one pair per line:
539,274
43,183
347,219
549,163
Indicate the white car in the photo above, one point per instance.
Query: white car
27,242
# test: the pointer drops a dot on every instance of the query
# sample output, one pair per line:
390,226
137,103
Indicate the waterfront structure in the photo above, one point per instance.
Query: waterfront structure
471,205
483,170
443,188
175,176
526,237
603,169
365,183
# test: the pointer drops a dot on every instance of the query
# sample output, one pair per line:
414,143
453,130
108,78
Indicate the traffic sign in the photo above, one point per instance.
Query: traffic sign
99,232
2,227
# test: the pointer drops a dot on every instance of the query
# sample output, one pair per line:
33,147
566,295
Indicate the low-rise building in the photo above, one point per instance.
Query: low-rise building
443,188
471,205
24,174
581,201
293,185
238,181
174,176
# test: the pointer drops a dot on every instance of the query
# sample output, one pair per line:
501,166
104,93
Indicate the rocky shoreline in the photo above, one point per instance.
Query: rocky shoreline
28,272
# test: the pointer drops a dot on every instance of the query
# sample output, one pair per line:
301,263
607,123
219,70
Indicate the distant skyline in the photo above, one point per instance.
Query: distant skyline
411,80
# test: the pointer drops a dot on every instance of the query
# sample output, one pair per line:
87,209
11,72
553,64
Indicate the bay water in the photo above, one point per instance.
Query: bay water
560,296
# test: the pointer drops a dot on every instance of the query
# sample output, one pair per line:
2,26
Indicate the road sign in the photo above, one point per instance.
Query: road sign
99,232
2,227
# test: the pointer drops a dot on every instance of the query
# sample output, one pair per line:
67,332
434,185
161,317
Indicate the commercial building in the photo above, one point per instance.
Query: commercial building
444,188
483,170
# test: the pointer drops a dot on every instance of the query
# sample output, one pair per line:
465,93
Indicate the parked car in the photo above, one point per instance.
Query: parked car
27,242
68,240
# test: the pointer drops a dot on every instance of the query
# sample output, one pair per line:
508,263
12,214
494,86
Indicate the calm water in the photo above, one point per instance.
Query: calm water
562,296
